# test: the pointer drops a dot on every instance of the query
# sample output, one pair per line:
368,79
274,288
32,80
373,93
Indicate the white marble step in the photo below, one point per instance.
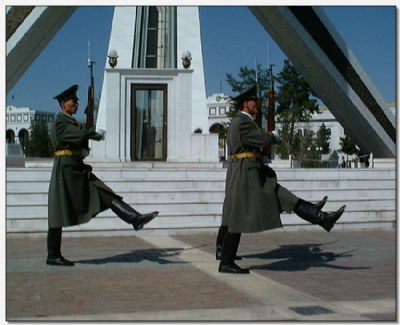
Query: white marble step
192,199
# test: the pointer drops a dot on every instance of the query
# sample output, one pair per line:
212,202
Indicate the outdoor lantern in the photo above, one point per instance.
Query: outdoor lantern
112,58
186,59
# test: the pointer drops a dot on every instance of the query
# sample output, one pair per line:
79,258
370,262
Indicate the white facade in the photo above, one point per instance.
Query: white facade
326,117
185,93
218,105
217,108
189,39
18,122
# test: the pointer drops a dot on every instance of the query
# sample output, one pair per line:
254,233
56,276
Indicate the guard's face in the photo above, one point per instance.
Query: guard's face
251,107
70,106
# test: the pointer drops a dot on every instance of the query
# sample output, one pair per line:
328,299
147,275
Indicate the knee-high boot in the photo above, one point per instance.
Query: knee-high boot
220,241
130,215
229,250
311,213
54,256
54,242
321,203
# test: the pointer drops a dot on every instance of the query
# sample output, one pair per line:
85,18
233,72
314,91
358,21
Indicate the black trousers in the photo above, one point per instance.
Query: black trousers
54,242
230,247
221,236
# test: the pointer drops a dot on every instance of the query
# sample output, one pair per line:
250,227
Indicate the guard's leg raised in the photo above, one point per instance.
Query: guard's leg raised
311,213
130,215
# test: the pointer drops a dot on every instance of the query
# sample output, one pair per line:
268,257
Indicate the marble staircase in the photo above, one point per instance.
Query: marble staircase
189,197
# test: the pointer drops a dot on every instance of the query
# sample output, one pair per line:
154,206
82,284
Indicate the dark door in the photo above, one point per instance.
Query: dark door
149,122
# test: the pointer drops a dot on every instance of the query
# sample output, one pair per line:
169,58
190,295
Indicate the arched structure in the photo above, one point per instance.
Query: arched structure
304,33
10,136
220,129
216,128
23,137
314,46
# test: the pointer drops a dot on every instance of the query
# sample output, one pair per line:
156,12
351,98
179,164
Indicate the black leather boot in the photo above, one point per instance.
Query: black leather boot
321,203
220,240
130,215
227,263
312,214
54,256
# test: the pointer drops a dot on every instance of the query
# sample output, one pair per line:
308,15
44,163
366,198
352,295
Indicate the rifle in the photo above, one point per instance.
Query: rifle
89,110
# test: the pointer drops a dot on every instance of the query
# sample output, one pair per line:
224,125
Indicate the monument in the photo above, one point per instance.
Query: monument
150,106
153,97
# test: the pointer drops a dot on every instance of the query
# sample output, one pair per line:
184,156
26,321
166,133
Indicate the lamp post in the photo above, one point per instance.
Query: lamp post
112,58
319,154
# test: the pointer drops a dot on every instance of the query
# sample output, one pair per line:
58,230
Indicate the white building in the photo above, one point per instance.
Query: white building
18,122
217,108
218,105
152,100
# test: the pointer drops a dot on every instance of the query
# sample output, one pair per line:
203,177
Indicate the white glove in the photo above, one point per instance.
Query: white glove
102,133
277,136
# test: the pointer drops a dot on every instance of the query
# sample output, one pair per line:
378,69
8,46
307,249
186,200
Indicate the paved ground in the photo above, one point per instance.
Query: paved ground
302,275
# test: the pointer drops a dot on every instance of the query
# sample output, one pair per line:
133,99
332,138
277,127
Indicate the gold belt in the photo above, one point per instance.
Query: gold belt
247,155
67,152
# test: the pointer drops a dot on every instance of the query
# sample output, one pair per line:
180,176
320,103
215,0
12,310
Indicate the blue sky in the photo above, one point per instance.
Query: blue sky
369,31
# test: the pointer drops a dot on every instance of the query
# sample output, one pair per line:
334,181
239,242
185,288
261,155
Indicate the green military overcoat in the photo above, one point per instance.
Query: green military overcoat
251,190
74,190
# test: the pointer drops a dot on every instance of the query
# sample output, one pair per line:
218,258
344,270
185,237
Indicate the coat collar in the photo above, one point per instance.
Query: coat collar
247,114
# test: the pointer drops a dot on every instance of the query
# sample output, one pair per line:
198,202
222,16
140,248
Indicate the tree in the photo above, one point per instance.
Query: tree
284,149
313,146
39,144
303,146
348,147
248,78
295,104
324,138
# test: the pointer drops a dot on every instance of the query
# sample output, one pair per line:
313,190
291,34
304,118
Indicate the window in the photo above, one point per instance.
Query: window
155,38
26,118
13,118
37,117
152,39
51,118
19,118
213,111
222,110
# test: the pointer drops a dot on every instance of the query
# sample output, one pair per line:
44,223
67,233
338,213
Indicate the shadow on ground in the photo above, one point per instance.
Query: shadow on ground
154,255
300,258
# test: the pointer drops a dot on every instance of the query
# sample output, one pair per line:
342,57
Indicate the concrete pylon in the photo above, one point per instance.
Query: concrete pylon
304,33
29,30
313,45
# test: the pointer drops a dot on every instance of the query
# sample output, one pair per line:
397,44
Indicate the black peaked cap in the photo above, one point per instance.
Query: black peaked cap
69,93
247,95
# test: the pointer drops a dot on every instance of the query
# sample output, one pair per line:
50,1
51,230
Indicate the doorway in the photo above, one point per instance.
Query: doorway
149,122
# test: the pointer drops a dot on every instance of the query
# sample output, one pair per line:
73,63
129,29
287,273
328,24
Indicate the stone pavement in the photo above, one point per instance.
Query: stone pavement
299,275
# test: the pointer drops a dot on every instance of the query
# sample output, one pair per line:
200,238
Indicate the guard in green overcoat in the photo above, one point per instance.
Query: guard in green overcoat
76,195
254,199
